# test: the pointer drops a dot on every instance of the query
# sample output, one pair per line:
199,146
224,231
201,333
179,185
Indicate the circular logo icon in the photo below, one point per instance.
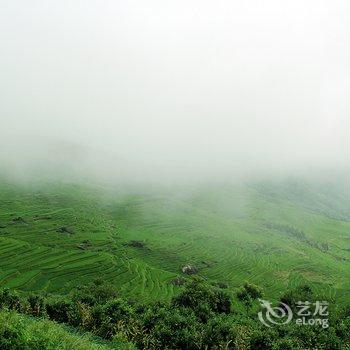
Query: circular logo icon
277,315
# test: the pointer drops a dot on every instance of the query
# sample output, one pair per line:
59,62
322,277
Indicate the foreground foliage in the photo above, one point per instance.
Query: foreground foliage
19,332
202,316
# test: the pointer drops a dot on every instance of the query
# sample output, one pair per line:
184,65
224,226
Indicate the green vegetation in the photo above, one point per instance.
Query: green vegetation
19,332
201,316
245,241
55,237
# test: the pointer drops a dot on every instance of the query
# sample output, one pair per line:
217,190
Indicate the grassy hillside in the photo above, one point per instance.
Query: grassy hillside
22,332
276,235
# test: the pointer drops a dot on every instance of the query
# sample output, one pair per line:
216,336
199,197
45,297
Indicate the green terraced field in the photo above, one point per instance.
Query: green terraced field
275,234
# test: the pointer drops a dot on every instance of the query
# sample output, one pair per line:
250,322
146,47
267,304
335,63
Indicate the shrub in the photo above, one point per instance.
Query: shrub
95,293
249,292
11,300
301,293
261,340
286,344
203,299
36,305
18,332
113,315
62,309
172,328
219,330
199,317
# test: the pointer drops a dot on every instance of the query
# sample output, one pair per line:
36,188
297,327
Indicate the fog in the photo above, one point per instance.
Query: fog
174,89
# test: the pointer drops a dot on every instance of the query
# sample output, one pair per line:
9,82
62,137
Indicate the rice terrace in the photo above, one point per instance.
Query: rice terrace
174,175
274,235
149,243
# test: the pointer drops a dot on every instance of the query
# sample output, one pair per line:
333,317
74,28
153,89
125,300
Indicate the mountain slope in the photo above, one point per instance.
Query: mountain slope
277,235
22,332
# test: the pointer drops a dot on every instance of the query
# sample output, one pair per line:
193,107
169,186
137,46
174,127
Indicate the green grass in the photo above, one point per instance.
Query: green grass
22,332
231,233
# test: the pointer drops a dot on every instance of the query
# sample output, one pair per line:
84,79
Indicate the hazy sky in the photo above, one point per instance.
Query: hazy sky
176,86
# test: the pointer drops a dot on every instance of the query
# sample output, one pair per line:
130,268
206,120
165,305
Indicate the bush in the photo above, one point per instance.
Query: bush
111,317
11,300
95,293
200,317
261,340
172,328
62,309
220,330
301,293
203,299
286,344
36,305
249,292
19,332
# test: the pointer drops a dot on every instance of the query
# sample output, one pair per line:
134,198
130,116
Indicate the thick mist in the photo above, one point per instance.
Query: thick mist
173,90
